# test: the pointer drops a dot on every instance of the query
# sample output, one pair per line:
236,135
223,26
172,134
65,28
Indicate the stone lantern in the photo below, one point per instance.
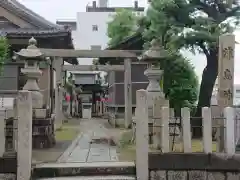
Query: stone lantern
32,56
43,124
154,74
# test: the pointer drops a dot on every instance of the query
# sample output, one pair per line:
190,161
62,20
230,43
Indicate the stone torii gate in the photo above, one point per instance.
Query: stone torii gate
59,54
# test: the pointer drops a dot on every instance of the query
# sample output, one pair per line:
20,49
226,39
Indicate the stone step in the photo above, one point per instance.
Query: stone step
92,178
51,170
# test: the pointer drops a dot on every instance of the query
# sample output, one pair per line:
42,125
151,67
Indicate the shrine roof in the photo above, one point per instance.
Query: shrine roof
27,15
26,32
133,42
40,27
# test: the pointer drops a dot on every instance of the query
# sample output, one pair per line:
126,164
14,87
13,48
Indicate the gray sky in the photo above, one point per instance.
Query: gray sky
61,9
67,9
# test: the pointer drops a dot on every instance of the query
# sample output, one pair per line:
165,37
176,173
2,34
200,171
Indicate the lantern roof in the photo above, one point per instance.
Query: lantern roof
31,52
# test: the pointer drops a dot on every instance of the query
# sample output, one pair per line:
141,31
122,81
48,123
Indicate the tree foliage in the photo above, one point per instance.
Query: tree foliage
4,51
195,25
122,25
180,83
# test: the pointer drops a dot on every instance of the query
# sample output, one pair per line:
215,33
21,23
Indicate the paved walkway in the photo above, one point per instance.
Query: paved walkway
85,149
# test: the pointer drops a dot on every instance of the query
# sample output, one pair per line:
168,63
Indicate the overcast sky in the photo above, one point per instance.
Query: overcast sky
67,9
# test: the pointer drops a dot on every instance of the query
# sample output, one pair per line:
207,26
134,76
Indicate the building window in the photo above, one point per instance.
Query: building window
94,28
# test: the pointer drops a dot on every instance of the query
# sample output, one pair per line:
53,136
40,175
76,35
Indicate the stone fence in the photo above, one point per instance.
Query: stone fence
164,164
17,159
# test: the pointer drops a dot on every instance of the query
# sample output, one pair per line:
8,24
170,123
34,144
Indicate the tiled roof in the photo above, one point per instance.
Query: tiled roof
42,27
33,32
28,15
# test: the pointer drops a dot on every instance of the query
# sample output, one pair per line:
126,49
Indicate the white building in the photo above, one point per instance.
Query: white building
89,30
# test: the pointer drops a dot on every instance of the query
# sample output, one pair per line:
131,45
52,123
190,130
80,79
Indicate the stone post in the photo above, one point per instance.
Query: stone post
58,83
207,129
24,145
128,92
229,131
2,131
187,142
142,135
225,80
165,130
158,121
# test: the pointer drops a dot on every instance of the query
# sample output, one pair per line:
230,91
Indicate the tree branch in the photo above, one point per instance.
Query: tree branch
209,10
221,6
204,49
232,12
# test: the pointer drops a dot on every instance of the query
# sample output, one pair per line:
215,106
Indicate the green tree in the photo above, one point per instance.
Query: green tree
122,25
180,83
196,26
4,51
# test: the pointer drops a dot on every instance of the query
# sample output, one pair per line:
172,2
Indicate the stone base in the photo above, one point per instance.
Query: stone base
53,170
9,134
43,133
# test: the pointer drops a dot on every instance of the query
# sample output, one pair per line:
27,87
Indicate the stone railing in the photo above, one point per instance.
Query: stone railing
163,164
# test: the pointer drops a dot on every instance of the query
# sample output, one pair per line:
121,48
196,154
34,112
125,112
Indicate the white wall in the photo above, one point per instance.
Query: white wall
86,36
75,39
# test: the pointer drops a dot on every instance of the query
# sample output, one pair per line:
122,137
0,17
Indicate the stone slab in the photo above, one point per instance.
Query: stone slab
93,178
83,169
69,150
78,155
85,165
84,142
99,154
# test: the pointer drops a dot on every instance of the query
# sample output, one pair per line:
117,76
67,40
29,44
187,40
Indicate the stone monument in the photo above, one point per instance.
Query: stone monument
43,124
225,80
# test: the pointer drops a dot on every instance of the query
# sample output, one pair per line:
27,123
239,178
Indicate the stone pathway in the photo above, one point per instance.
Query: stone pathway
88,146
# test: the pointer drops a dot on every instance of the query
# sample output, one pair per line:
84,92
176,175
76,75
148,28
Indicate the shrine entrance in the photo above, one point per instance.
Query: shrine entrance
90,89
59,54
32,55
